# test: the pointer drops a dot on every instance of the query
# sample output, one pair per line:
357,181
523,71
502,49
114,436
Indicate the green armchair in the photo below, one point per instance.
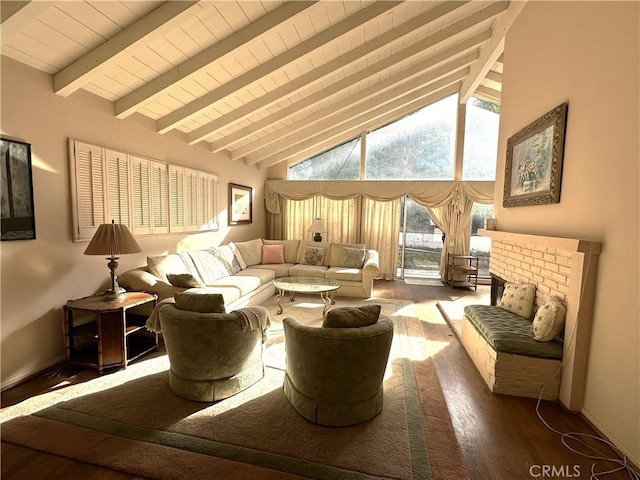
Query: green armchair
334,375
212,355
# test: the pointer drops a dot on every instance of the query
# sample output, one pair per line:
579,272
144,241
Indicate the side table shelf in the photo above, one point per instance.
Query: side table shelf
103,334
462,271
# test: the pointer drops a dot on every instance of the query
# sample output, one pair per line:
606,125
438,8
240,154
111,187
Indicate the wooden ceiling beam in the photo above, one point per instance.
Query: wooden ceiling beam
492,51
494,76
400,84
334,127
158,22
158,86
330,34
489,94
310,79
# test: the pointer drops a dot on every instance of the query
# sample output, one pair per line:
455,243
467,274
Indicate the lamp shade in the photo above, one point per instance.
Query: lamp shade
317,226
112,239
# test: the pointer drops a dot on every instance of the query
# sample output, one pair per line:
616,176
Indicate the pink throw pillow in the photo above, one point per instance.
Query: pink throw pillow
272,254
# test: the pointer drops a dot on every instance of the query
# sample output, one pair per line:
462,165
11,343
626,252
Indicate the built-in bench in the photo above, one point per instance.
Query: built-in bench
511,362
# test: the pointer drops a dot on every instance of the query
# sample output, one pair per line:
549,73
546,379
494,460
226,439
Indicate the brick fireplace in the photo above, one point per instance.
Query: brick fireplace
561,267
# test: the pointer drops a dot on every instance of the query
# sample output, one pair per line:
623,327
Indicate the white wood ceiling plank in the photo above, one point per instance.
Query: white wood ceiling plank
168,51
199,33
91,17
119,13
62,22
141,8
216,24
107,54
27,59
38,49
140,69
195,88
97,90
16,16
233,15
43,33
365,73
378,8
320,19
304,27
109,84
128,105
152,59
335,12
491,51
311,80
289,37
183,42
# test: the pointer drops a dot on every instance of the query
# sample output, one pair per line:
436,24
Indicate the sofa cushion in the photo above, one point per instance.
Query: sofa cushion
272,254
509,332
247,280
250,251
313,255
518,298
338,254
279,269
351,317
342,273
200,300
209,265
290,248
264,274
300,270
161,265
183,280
306,243
549,320
229,253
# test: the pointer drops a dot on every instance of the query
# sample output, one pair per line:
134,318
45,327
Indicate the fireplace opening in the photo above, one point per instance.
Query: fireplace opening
497,288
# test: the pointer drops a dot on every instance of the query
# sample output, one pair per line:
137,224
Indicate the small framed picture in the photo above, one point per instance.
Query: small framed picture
18,220
240,204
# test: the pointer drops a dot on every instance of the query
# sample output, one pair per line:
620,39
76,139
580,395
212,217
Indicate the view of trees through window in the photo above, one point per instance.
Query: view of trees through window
420,146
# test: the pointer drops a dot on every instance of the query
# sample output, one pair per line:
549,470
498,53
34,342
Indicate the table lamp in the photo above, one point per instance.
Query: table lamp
113,239
317,227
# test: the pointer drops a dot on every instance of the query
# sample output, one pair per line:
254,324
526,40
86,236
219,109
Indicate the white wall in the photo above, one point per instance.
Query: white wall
39,276
587,53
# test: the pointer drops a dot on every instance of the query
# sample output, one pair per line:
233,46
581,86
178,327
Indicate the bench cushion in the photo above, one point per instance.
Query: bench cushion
509,332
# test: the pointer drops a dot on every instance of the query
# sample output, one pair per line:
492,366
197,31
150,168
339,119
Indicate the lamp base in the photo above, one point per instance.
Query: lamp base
114,295
317,237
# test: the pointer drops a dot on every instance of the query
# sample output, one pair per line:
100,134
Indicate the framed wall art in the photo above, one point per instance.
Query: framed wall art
240,204
16,191
533,168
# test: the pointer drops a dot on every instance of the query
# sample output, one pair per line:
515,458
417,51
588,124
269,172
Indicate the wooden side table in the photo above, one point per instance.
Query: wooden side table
103,334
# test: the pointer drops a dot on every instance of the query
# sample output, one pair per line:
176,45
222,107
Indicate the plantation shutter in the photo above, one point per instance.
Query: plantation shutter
159,197
118,187
176,199
207,188
140,196
89,206
191,199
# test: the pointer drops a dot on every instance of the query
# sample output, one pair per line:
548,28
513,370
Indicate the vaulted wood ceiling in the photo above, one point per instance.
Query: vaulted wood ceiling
264,81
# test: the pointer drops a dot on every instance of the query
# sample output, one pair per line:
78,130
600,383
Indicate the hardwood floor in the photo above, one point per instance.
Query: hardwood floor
501,437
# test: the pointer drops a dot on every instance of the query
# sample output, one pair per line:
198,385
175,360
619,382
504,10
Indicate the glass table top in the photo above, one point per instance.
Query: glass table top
306,284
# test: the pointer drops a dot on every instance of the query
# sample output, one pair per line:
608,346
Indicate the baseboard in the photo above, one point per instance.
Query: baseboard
15,380
634,462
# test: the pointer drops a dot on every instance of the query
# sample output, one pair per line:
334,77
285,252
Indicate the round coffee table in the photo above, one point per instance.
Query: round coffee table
326,287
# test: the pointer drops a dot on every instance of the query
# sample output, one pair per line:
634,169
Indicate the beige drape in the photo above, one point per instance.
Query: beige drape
375,210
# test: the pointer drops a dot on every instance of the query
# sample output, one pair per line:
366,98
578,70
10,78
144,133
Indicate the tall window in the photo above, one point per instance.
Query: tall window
421,146
340,163
480,140
480,246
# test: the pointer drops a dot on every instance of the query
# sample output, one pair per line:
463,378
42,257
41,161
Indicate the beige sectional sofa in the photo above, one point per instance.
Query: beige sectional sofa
244,272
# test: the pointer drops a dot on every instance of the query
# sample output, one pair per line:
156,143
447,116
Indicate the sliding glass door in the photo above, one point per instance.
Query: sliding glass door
420,243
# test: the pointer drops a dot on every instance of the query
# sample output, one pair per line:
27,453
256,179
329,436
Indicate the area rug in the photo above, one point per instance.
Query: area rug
130,420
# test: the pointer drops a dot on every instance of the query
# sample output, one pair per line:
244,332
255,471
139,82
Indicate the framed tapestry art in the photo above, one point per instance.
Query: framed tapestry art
16,191
240,204
533,169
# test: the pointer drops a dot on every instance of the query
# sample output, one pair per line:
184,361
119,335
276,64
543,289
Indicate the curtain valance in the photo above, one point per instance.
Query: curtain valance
426,193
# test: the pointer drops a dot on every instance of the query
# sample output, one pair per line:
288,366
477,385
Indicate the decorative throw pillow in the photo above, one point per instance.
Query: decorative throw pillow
352,257
272,254
313,256
351,317
250,251
518,298
549,320
198,300
183,280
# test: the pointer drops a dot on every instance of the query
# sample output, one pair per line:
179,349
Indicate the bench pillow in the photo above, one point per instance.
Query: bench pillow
272,254
290,248
549,320
518,298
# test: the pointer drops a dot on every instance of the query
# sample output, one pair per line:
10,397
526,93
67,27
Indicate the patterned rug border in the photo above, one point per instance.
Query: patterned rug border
419,452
